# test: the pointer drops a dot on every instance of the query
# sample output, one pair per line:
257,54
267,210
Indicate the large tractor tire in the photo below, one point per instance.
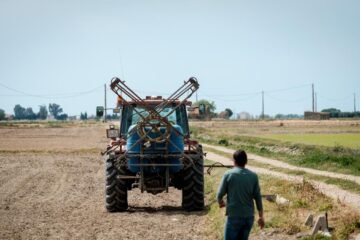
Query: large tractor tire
193,186
115,189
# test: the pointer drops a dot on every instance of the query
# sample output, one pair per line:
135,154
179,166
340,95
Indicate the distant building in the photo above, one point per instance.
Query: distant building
201,112
72,118
9,117
244,116
316,116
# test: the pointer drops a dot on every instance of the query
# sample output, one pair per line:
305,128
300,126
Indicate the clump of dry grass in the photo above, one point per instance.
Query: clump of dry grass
305,199
347,222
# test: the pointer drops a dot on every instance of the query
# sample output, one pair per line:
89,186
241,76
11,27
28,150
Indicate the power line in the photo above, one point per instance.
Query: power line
147,92
215,96
270,90
232,100
354,102
259,92
49,96
313,98
336,99
286,100
263,110
289,88
18,91
105,102
233,95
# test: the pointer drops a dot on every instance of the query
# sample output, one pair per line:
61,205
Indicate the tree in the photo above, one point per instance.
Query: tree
62,117
83,116
288,116
224,115
43,112
19,112
29,114
112,116
230,112
2,114
55,109
331,110
212,106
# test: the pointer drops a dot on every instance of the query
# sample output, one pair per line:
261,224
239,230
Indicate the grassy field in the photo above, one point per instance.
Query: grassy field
285,219
343,184
329,145
251,136
340,139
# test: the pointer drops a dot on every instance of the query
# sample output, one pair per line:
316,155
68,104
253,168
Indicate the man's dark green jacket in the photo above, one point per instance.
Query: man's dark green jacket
241,187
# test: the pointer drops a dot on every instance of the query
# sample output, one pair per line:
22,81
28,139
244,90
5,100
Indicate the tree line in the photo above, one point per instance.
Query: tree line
337,113
228,113
22,113
27,113
54,110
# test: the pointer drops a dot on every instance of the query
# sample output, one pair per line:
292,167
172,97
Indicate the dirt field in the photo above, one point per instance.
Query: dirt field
52,184
258,128
59,194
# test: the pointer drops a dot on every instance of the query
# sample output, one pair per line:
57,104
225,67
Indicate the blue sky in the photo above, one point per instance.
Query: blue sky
65,51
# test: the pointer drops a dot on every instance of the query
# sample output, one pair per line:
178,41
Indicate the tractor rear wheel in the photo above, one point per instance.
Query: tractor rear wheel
193,186
115,188
198,188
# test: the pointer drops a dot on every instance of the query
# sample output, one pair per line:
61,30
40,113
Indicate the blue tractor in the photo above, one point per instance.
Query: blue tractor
153,150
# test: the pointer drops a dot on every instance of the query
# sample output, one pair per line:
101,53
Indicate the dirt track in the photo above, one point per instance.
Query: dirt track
348,198
277,163
60,196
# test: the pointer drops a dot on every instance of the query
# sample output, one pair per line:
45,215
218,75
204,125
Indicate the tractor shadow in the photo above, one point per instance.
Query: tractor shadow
167,210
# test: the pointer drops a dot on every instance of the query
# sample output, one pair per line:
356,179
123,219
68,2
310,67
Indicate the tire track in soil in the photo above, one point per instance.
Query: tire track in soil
16,186
62,197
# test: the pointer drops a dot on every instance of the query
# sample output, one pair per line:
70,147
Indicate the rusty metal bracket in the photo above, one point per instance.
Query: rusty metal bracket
216,165
188,88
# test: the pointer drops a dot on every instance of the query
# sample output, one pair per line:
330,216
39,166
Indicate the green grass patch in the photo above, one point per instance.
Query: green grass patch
317,237
337,158
215,216
343,184
331,140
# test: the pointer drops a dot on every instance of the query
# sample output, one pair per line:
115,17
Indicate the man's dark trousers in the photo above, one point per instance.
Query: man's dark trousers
238,228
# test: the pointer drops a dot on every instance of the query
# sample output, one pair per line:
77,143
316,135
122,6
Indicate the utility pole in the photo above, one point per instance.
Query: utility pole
196,96
313,98
354,102
262,112
105,102
315,101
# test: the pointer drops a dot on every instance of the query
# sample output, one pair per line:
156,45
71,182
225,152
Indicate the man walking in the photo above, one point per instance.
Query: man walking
241,187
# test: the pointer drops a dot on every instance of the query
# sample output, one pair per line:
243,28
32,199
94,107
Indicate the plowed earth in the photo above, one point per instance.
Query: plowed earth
52,187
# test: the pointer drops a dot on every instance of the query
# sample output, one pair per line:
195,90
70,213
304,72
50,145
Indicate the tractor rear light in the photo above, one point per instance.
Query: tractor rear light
191,142
112,133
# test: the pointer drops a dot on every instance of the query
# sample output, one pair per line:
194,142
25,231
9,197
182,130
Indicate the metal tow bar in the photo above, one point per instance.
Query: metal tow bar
216,165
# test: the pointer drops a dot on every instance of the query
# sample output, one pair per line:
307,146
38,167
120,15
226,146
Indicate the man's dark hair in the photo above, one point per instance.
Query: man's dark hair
240,158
